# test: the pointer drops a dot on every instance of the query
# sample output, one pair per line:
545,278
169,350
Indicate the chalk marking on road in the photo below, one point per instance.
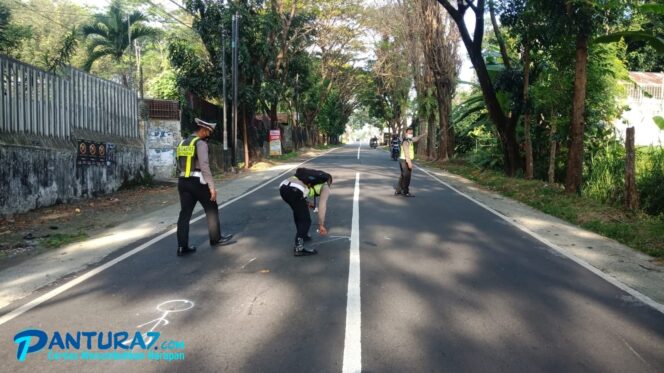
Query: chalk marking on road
162,319
95,271
634,352
332,239
358,151
249,262
633,292
353,342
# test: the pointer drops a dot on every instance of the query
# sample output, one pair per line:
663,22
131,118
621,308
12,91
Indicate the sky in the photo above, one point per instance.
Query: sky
467,73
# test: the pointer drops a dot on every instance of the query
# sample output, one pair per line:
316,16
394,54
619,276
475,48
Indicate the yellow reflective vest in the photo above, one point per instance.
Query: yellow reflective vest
315,190
411,149
186,154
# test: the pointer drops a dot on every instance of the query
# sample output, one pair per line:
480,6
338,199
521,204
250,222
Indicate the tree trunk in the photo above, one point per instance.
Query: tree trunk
510,147
431,135
631,195
473,46
274,120
247,160
443,119
507,134
450,141
499,36
574,174
526,112
552,151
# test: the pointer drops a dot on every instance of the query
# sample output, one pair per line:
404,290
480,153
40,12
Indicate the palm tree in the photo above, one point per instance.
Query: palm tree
108,34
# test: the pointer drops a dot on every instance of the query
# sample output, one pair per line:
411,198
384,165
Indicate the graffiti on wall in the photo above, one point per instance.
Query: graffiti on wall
158,137
163,137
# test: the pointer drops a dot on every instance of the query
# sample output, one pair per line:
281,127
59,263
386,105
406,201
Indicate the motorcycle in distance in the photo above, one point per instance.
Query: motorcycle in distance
373,143
395,148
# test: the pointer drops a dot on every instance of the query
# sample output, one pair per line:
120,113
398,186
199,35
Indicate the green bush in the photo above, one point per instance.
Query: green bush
650,179
605,177
605,174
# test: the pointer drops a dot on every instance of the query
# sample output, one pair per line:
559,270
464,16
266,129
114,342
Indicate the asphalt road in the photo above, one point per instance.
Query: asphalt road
445,285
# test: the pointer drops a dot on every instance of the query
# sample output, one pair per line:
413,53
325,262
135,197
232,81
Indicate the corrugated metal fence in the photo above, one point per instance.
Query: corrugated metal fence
35,101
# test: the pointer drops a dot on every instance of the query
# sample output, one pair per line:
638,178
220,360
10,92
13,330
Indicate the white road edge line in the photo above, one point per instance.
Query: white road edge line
610,279
353,341
358,151
61,289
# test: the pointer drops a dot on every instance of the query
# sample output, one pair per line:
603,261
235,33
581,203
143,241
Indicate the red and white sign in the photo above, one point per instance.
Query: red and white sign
275,142
275,135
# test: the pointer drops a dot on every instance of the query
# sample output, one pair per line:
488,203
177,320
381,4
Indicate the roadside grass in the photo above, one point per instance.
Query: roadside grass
290,156
285,157
327,146
61,239
634,229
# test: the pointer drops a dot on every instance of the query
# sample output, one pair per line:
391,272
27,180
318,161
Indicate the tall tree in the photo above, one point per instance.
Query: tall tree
109,34
505,124
410,28
440,40
338,26
584,20
11,34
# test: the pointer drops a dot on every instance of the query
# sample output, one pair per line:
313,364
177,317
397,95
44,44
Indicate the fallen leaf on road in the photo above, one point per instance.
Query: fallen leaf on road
78,210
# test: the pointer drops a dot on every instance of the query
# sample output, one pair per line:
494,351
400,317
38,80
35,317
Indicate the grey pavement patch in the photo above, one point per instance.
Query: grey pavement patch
624,264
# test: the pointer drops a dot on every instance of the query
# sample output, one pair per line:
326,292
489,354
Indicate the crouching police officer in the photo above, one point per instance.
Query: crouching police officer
195,184
307,183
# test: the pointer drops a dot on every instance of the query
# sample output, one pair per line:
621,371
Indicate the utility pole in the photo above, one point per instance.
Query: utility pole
139,69
223,89
236,20
296,119
130,45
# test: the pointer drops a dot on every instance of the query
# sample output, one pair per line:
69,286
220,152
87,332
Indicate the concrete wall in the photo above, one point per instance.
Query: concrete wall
41,171
163,138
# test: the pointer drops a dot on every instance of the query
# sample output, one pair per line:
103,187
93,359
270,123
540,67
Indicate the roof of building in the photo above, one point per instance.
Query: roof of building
644,78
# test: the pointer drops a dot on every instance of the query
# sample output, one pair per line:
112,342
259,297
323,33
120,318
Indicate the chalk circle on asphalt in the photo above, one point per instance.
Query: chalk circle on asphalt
177,305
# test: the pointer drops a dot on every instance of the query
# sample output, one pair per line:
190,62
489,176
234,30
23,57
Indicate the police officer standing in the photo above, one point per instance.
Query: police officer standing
406,159
195,184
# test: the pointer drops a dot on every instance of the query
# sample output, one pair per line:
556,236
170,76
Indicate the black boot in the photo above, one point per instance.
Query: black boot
186,250
224,239
300,250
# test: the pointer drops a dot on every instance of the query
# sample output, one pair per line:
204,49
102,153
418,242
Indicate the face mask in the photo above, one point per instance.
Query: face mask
409,136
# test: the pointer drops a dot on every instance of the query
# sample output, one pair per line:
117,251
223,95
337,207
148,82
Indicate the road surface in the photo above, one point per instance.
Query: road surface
433,283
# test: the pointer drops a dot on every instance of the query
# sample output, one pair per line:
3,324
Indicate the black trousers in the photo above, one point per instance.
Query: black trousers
298,204
191,191
404,180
